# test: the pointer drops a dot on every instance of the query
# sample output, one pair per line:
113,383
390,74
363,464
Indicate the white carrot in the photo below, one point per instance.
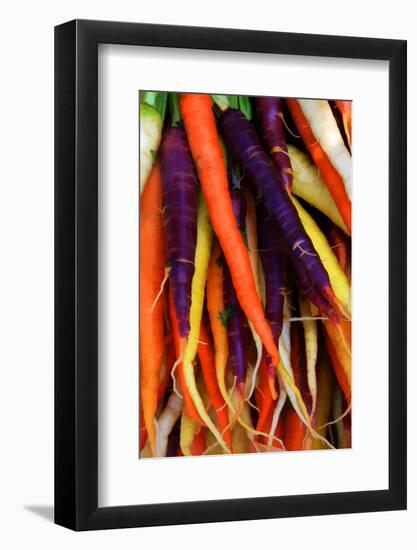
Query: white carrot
324,127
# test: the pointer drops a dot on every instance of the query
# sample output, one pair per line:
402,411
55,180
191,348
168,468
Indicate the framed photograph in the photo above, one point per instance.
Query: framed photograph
230,284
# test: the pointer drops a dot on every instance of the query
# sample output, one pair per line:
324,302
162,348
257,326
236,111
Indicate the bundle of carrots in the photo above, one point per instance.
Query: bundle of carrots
245,262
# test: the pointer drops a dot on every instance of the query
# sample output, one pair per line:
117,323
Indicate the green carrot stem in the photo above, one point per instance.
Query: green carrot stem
222,101
245,106
157,100
174,109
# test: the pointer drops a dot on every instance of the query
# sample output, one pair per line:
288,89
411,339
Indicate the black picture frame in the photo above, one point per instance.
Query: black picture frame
76,272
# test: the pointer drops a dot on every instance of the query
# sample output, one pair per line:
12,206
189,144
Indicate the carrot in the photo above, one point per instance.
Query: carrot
294,432
265,398
143,436
325,397
168,363
329,172
173,445
200,125
271,126
199,444
273,439
345,108
274,269
146,452
338,343
152,112
240,439
338,243
244,417
234,318
311,347
179,201
166,422
152,269
201,261
342,420
189,429
285,354
243,142
308,185
179,349
215,307
338,280
252,239
276,417
208,368
308,290
324,126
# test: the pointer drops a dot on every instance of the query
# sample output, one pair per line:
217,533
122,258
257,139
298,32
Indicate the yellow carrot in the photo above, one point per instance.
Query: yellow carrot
189,428
146,452
202,257
326,383
308,184
337,276
311,347
240,439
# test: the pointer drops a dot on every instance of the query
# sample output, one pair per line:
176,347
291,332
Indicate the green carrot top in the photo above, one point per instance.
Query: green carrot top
157,100
174,109
241,102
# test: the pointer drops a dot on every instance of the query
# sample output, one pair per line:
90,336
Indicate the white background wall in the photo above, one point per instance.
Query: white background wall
26,272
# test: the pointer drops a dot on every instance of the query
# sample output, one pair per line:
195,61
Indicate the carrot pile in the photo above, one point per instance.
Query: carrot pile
245,263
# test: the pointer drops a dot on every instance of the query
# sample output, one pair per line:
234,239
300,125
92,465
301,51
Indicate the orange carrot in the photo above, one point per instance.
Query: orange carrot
338,243
179,348
339,346
152,271
294,430
143,436
341,375
208,368
330,175
200,126
265,398
215,306
199,444
169,363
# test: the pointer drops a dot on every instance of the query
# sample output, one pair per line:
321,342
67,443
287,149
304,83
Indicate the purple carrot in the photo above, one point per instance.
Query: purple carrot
242,141
273,263
307,288
179,199
234,318
271,127
299,363
174,439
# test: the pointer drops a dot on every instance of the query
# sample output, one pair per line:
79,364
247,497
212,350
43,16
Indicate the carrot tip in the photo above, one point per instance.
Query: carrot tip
271,382
334,302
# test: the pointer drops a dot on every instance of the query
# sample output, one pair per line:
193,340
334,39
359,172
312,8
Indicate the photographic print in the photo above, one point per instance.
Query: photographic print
245,274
